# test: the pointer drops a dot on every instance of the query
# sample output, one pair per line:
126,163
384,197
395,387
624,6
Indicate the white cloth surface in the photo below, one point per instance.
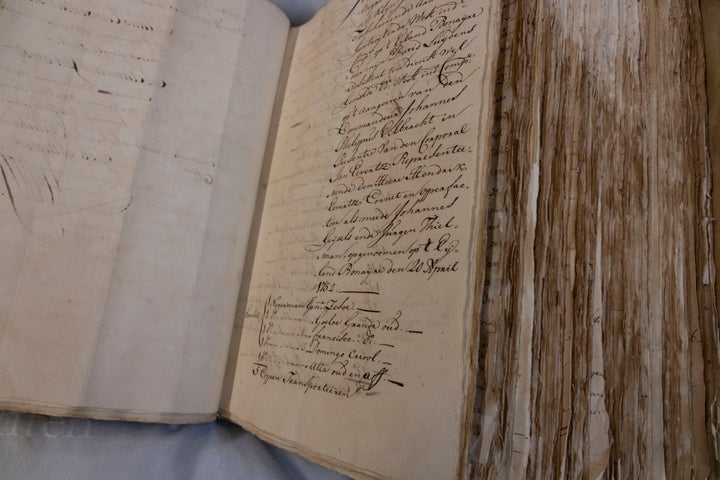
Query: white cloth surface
299,11
36,447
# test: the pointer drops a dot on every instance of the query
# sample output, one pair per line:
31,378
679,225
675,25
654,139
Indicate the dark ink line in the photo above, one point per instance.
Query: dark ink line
262,322
387,363
105,92
52,195
359,291
396,383
10,195
77,70
413,331
350,12
367,310
387,345
12,172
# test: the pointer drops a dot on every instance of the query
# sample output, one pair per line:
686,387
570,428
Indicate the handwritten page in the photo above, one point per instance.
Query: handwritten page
359,322
131,139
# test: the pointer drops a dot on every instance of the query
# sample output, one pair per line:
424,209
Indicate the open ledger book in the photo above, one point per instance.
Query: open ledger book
462,237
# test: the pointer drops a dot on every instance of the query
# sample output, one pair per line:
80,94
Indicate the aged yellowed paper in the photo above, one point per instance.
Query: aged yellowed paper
358,329
131,141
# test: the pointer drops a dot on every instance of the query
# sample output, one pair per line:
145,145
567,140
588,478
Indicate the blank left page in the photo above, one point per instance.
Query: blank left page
131,141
